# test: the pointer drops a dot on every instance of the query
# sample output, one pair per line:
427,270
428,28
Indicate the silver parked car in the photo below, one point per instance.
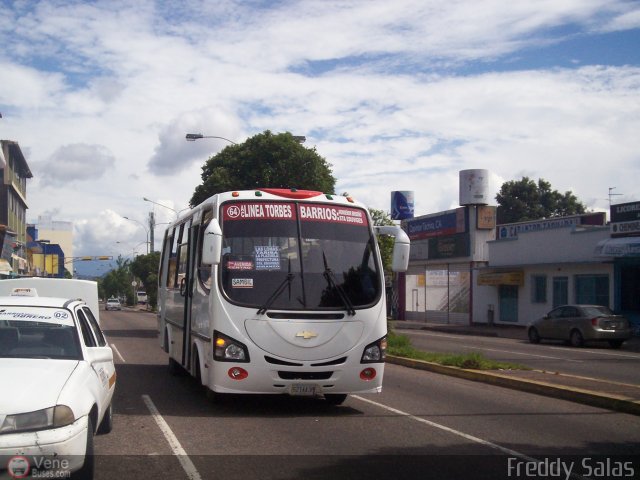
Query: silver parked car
577,324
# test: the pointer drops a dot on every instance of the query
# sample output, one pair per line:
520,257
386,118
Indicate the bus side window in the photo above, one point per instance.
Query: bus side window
204,271
173,259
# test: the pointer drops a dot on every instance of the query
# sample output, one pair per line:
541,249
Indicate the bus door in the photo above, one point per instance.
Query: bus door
176,288
188,250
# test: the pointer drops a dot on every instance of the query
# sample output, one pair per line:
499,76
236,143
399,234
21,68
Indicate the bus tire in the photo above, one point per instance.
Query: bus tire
335,398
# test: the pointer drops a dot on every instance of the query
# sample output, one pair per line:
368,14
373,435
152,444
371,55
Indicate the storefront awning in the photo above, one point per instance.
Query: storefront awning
501,278
5,267
619,247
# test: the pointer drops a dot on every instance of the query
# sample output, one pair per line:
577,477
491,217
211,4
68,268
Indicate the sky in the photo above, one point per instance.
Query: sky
398,95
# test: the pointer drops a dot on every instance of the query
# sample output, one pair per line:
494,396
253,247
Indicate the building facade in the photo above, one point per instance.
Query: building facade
536,266
14,172
446,248
623,250
56,232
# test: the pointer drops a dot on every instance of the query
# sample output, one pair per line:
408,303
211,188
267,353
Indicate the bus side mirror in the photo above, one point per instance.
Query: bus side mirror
212,244
401,246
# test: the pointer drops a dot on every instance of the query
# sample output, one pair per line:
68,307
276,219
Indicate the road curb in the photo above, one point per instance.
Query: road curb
611,402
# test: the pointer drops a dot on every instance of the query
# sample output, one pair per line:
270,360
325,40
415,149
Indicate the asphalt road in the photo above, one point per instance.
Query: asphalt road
597,361
423,425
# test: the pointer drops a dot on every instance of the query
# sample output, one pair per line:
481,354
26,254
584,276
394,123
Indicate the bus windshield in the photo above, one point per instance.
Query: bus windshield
300,256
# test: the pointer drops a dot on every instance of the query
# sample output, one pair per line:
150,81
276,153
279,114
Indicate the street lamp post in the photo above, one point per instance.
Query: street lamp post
192,137
143,227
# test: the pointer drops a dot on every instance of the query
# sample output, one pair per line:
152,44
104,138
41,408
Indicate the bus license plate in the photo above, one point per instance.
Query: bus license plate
301,389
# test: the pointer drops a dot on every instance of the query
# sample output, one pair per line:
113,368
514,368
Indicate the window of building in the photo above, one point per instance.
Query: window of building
538,289
560,291
592,289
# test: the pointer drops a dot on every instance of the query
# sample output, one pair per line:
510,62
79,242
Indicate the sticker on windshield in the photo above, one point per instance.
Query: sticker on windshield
267,257
36,314
242,282
239,265
328,213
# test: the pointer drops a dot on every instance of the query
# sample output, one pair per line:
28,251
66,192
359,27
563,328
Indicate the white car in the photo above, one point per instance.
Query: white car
57,378
113,304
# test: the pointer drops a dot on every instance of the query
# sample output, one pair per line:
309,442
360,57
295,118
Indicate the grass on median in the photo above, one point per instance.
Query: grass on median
400,346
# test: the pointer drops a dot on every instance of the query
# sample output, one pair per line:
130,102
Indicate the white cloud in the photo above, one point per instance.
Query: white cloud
173,154
75,162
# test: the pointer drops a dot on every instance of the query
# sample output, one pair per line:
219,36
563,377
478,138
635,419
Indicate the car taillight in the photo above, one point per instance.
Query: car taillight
594,321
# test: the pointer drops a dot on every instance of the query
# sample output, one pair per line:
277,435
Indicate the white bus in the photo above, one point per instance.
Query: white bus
277,291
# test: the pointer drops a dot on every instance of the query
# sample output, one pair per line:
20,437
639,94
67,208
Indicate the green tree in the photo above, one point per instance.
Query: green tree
264,160
380,217
117,282
145,267
522,200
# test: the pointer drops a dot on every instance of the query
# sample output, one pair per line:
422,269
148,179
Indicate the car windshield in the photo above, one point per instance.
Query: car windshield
38,333
298,256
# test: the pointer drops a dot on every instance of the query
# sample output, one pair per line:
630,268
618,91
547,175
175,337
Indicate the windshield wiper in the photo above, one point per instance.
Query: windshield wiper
286,282
331,280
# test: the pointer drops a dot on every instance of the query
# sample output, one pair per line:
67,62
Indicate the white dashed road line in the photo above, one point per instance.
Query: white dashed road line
174,443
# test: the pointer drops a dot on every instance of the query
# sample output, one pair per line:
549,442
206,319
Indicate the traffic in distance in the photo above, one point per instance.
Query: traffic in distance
59,370
277,291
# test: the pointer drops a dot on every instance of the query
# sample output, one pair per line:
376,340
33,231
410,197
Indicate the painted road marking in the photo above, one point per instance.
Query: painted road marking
178,451
458,433
115,349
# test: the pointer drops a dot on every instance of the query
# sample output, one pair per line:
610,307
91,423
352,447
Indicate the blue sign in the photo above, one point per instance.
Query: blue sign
401,205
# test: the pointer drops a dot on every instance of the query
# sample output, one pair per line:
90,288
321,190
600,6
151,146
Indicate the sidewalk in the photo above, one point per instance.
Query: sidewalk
601,393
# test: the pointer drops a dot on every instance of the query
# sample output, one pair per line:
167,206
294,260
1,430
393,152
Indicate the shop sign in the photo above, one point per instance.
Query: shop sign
447,223
625,212
451,246
501,278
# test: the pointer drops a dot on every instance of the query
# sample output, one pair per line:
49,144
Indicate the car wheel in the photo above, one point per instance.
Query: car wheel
86,472
534,336
576,339
615,343
335,398
107,421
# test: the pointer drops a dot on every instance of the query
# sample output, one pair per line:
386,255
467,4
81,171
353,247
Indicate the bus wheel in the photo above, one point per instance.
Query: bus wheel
335,398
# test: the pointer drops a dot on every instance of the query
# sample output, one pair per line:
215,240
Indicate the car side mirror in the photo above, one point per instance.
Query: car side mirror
99,354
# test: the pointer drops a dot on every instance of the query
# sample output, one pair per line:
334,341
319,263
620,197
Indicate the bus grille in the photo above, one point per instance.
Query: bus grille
304,375
275,361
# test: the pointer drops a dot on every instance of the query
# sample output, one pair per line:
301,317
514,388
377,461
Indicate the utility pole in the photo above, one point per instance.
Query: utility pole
152,225
612,194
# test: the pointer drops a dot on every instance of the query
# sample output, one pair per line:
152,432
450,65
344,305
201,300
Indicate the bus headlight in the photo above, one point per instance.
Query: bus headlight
375,352
227,349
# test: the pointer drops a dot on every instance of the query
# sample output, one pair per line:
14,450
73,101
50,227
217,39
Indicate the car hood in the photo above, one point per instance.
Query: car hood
30,384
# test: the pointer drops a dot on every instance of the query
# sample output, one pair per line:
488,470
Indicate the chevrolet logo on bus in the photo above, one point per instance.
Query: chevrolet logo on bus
306,335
